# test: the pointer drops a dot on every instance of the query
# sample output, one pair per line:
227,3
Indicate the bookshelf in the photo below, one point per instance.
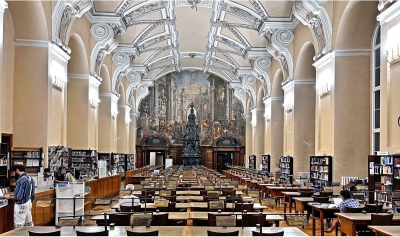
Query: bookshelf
383,177
122,164
58,156
86,160
130,162
30,157
252,162
4,161
266,163
321,170
286,166
105,156
114,162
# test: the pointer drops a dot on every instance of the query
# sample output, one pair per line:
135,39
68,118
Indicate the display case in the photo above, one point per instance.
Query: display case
265,163
383,177
286,168
70,200
321,170
84,161
252,162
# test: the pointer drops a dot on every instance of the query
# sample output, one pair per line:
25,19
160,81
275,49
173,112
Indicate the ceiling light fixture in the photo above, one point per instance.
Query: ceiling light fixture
194,3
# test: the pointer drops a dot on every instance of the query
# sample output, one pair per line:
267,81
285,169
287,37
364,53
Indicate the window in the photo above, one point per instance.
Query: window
376,93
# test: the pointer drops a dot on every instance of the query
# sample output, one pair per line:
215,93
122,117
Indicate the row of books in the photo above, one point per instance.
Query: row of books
321,176
380,169
319,161
320,168
284,159
284,165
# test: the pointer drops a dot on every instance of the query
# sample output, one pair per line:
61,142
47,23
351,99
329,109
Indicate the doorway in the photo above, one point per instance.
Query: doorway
223,159
155,158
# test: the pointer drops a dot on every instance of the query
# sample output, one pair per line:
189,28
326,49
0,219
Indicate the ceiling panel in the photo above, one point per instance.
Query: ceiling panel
277,8
192,28
106,6
194,62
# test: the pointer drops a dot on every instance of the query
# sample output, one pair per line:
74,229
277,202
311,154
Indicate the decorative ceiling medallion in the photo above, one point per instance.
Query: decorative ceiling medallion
133,77
284,37
249,79
264,63
100,31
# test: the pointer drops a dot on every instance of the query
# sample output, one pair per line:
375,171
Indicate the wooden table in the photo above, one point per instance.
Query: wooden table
277,191
188,192
349,221
386,230
203,216
301,203
320,212
287,200
162,230
172,216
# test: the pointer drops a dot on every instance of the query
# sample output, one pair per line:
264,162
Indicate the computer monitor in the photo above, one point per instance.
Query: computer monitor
77,172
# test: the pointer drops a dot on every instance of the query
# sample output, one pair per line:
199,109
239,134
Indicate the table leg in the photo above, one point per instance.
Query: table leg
321,218
313,222
290,204
276,223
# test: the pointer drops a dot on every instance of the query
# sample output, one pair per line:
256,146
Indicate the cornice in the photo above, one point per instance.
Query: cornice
390,13
327,58
32,43
340,53
304,82
79,76
105,94
58,52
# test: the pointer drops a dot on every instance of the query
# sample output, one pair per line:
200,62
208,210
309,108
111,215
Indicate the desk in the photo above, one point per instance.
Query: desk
203,216
277,191
246,231
301,203
287,200
172,216
321,212
348,221
162,230
386,230
188,192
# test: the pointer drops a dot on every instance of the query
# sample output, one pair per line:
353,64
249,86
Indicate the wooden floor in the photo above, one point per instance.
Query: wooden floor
307,230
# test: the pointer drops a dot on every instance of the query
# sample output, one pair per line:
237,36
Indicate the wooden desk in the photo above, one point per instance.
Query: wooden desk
386,230
172,216
203,216
287,200
277,191
301,203
6,216
320,212
348,221
188,192
246,231
162,230
135,179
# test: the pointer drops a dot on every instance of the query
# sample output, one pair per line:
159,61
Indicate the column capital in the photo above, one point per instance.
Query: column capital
3,6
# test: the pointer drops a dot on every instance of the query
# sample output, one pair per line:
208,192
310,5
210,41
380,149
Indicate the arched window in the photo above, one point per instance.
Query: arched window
376,93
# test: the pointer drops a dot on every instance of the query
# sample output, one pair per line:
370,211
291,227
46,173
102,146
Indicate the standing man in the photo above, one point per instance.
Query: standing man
24,194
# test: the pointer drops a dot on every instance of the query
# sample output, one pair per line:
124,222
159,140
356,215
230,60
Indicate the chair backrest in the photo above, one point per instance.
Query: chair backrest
212,218
159,219
253,193
242,187
215,205
225,221
297,220
98,233
227,193
268,202
126,208
54,233
373,208
165,193
161,203
306,194
354,209
213,233
279,233
321,199
137,187
381,219
251,220
120,219
213,194
123,193
325,194
209,187
146,199
147,233
148,193
141,219
244,207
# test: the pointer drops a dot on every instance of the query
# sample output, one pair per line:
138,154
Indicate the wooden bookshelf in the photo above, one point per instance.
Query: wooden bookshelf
252,162
286,168
4,161
321,170
58,156
130,162
105,156
266,163
86,160
30,157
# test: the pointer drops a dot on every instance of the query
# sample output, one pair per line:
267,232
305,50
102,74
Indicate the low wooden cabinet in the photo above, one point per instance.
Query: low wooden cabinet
6,217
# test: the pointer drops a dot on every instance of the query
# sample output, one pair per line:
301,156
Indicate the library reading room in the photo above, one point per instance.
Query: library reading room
264,118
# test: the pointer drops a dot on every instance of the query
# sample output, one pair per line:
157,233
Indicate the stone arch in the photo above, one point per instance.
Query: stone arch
29,20
304,68
260,96
277,90
355,31
121,100
78,64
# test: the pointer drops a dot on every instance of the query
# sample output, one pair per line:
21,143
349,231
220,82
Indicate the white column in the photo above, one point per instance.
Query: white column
3,7
133,134
249,139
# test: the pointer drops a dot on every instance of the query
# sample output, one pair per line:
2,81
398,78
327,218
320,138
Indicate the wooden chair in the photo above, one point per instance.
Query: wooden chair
306,194
216,205
159,219
325,194
239,207
372,208
129,208
146,199
321,199
251,220
233,199
212,218
120,219
381,219
227,193
354,209
213,233
225,221
279,233
98,233
148,193
147,233
54,233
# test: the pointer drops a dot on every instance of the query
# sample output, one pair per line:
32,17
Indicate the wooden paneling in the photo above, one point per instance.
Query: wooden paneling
43,215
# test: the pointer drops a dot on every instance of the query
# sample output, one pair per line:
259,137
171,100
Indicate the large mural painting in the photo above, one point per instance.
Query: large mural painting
164,111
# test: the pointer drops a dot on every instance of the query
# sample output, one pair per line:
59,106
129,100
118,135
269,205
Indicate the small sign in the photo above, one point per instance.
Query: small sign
382,153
